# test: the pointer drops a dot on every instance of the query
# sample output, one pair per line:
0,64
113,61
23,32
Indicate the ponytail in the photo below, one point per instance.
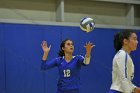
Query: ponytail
61,53
118,40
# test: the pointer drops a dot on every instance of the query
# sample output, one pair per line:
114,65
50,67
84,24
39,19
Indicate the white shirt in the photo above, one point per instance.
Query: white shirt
122,73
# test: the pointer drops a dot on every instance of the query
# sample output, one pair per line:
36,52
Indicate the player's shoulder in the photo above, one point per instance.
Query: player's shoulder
59,60
79,56
120,53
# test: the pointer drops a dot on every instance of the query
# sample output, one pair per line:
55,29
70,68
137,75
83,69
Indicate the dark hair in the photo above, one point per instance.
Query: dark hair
120,36
61,51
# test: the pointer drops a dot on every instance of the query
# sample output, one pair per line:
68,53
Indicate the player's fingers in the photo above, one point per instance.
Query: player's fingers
44,43
89,43
50,47
93,46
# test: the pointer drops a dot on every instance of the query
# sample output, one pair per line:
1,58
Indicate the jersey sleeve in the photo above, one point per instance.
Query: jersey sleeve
86,60
48,65
126,84
83,60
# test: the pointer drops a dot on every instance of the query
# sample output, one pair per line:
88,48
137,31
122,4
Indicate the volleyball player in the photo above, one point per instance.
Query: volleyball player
68,65
123,69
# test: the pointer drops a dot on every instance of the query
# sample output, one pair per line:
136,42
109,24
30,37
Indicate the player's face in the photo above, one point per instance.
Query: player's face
69,47
132,42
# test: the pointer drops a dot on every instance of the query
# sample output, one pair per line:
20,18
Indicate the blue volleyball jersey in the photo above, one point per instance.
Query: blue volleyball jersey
69,72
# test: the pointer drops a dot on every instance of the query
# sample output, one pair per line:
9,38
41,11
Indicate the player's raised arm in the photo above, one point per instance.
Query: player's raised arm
88,46
45,49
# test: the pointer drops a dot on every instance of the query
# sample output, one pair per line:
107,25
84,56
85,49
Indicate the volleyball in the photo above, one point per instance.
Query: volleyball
87,24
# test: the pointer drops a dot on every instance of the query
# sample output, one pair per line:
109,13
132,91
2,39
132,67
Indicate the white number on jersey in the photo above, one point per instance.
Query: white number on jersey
66,73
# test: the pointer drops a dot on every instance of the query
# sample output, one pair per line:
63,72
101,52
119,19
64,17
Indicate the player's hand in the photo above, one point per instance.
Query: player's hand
88,47
137,90
44,46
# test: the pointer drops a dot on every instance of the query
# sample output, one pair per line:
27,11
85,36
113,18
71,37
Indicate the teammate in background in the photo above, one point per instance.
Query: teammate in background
68,65
123,69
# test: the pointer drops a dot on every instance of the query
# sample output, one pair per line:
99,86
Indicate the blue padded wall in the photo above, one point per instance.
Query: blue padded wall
2,58
20,58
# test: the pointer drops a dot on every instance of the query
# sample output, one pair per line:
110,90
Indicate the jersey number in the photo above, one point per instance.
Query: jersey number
66,73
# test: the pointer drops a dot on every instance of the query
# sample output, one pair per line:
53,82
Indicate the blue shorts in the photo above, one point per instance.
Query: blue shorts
68,91
114,91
